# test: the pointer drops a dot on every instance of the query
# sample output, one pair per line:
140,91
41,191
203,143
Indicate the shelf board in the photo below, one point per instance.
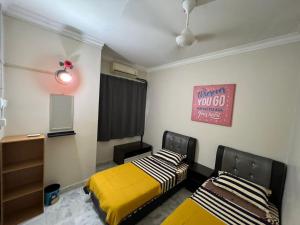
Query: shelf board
22,165
61,133
21,216
22,191
11,139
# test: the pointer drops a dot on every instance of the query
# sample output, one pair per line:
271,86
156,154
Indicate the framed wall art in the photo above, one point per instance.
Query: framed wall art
213,104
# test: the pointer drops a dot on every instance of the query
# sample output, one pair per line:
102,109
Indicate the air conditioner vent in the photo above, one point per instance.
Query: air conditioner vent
120,68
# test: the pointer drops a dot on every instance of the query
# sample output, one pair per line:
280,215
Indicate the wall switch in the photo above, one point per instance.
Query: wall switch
3,103
2,122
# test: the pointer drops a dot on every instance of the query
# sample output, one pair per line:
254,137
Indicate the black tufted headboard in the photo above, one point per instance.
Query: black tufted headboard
260,170
181,144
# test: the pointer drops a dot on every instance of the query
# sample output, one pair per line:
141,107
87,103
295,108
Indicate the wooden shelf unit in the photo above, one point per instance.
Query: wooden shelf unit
22,191
22,165
22,209
21,178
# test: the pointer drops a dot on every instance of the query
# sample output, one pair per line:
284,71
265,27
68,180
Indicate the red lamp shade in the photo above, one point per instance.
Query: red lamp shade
67,64
63,77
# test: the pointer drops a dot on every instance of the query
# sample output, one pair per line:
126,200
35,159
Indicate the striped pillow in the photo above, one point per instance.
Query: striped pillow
267,191
170,156
251,192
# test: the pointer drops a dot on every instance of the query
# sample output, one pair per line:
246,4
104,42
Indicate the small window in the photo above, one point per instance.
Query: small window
61,113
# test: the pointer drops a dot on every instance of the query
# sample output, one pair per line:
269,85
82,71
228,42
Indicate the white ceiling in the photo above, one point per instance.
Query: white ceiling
143,31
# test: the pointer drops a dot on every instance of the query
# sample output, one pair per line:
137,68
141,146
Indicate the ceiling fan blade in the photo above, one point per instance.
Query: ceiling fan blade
204,37
203,2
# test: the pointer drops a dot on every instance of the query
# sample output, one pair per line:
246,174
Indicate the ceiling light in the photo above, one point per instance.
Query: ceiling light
63,77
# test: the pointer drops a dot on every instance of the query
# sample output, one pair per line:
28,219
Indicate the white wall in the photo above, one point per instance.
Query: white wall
68,159
291,206
105,148
1,66
263,113
264,110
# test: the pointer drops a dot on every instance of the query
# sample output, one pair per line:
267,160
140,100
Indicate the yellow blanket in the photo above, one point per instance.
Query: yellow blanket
190,213
122,189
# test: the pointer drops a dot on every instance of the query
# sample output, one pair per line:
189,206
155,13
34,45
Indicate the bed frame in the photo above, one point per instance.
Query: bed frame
171,141
260,170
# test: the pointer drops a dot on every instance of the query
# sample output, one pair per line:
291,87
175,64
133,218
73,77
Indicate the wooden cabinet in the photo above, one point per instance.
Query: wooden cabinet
22,176
197,175
125,151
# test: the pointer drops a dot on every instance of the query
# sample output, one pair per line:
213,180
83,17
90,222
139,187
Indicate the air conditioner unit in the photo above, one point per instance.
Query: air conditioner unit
120,68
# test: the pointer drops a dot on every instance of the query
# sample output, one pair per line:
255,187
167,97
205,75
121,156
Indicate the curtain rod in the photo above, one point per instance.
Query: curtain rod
127,78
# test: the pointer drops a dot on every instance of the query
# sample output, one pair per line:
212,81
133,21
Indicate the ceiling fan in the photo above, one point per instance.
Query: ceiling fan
187,38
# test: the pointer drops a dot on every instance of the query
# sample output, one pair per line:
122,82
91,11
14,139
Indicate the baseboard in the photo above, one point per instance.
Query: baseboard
101,163
73,186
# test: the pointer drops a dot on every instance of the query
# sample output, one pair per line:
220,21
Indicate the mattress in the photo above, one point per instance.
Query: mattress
219,206
189,213
126,188
168,175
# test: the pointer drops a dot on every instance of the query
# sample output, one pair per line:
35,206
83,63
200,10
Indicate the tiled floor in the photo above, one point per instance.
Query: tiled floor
75,208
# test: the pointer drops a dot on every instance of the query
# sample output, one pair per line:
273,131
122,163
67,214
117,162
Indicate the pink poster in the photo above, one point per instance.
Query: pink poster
213,104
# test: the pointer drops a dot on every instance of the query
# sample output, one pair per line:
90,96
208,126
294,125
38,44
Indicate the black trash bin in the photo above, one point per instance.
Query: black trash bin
51,193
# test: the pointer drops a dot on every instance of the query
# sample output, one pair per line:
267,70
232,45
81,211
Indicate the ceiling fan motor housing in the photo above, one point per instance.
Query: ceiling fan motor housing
189,5
186,38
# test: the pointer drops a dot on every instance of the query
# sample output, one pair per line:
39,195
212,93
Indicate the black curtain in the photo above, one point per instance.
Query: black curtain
122,104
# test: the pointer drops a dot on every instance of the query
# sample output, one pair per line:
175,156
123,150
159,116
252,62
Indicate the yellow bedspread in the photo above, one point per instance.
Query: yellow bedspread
190,213
122,189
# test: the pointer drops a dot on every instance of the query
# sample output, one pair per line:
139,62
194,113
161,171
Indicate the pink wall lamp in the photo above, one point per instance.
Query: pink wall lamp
63,76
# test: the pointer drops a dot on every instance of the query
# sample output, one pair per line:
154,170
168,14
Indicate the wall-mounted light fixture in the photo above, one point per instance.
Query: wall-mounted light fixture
63,76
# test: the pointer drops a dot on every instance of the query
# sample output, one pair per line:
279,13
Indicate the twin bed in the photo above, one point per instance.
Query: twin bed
229,198
126,193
